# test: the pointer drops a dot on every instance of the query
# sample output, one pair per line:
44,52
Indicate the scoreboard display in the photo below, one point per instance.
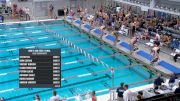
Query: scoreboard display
39,68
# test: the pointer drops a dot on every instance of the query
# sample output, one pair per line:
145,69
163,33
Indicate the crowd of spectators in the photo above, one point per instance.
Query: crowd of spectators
125,94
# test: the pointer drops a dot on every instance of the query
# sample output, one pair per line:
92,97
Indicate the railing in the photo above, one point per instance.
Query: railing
112,97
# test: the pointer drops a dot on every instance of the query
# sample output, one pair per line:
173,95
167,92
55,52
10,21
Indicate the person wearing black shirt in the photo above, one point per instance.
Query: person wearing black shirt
140,95
173,78
120,90
177,91
176,57
158,81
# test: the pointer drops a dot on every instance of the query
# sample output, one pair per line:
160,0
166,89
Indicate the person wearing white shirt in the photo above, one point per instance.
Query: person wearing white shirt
157,37
55,97
128,95
155,52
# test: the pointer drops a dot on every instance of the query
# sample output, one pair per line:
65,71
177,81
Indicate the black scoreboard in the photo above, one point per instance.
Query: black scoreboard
39,68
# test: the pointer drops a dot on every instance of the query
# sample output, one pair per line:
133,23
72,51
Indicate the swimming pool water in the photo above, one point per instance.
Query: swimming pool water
34,35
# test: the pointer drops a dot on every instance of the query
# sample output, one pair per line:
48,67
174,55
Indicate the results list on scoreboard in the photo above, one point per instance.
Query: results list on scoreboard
39,68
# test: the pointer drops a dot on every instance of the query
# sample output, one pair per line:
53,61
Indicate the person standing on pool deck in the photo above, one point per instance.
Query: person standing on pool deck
155,52
176,57
37,98
158,81
133,41
177,90
94,98
120,90
51,10
65,11
172,79
127,95
115,33
55,97
2,99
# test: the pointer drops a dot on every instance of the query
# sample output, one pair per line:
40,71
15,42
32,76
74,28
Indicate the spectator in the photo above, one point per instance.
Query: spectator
177,26
176,57
157,37
159,27
169,39
120,90
79,10
55,97
94,98
172,79
177,90
146,35
127,95
2,99
102,28
140,95
72,13
37,98
164,39
158,81
175,43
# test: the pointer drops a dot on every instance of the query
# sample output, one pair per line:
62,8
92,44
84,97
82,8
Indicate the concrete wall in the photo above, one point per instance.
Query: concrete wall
170,3
40,7
86,4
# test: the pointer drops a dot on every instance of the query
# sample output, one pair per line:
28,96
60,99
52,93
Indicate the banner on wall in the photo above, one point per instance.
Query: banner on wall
3,1
161,14
143,8
1,19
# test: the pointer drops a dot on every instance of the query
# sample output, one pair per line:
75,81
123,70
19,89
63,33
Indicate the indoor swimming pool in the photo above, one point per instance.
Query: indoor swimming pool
74,63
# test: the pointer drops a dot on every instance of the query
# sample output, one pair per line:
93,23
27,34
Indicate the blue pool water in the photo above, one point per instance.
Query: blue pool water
31,35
